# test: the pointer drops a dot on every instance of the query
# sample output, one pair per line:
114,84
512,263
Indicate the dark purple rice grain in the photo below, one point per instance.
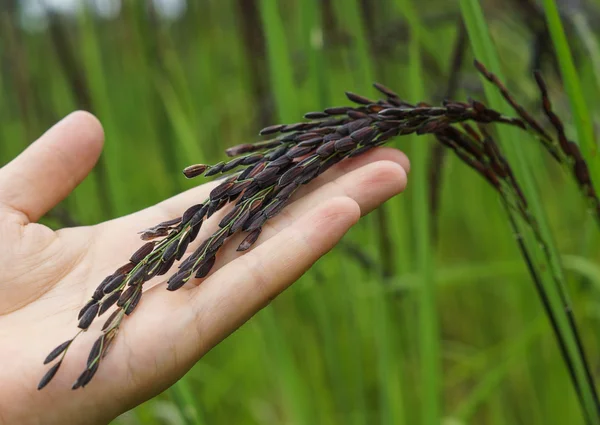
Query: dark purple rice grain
315,115
271,129
190,213
134,302
255,222
110,320
344,145
182,247
249,240
194,170
216,242
356,98
290,175
310,142
239,222
215,169
252,159
357,115
99,292
298,151
230,165
126,296
263,184
338,110
327,149
115,283
385,90
86,307
165,266
220,191
95,351
141,253
57,351
194,232
89,316
288,190
124,269
282,161
86,376
177,281
266,174
109,302
48,376
205,267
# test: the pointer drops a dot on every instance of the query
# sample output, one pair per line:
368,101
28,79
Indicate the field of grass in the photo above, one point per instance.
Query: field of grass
426,313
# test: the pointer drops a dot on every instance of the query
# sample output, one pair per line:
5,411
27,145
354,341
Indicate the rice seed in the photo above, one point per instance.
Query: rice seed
339,110
266,175
271,129
249,240
205,267
198,216
89,316
361,100
310,142
214,169
86,376
290,175
182,247
115,283
109,302
357,115
142,253
239,221
165,266
298,151
344,145
315,115
385,90
190,213
194,170
239,187
126,296
220,191
239,149
124,269
216,241
111,320
256,221
281,161
57,351
86,307
99,292
48,376
95,351
133,303
177,281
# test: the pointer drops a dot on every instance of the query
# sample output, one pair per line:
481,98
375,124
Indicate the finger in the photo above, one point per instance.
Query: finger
48,170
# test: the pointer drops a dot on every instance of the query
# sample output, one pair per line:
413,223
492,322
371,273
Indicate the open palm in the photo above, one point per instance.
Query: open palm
47,276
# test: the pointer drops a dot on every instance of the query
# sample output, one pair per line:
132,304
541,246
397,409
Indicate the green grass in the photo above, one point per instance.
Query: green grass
448,332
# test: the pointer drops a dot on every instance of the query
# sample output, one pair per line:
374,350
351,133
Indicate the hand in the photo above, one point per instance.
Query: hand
47,276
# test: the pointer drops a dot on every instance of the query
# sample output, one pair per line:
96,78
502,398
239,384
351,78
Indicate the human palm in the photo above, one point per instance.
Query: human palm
47,276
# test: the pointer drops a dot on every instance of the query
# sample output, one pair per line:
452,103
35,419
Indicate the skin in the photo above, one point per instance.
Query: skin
47,276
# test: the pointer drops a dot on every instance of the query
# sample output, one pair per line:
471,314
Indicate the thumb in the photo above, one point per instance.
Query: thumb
50,168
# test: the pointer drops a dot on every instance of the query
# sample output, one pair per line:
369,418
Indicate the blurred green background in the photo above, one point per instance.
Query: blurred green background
425,313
